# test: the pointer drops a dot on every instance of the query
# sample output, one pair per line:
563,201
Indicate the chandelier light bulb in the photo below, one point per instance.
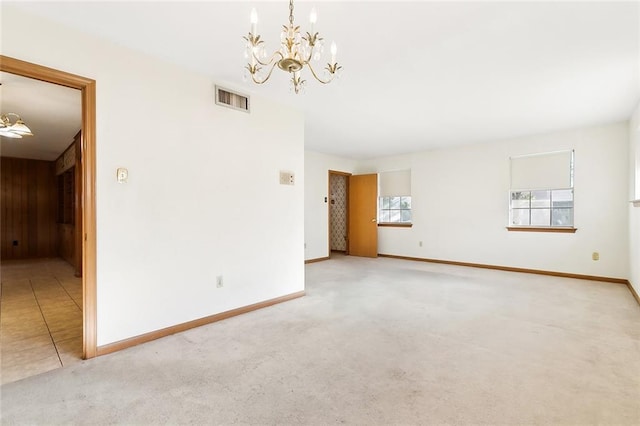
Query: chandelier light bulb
254,21
334,50
313,18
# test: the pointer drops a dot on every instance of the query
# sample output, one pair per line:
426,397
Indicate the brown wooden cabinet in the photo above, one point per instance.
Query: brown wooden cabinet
69,205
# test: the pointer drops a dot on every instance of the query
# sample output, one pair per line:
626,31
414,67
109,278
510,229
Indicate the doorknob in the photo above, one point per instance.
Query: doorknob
373,220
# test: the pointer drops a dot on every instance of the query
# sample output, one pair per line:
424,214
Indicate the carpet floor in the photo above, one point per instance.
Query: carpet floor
374,342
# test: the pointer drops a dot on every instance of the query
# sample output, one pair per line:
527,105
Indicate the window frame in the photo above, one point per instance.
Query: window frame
395,224
542,228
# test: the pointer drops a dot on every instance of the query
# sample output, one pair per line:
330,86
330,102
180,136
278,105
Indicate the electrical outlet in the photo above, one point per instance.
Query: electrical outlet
219,282
419,243
595,255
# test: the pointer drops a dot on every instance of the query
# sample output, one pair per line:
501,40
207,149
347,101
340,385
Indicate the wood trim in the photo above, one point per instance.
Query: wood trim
87,87
511,269
89,230
153,335
335,172
317,259
542,229
396,225
633,292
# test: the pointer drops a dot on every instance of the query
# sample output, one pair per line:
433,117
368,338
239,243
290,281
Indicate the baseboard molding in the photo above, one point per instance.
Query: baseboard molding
633,292
153,335
512,269
318,259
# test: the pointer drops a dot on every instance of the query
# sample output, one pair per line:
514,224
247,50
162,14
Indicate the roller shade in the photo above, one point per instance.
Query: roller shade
395,183
550,170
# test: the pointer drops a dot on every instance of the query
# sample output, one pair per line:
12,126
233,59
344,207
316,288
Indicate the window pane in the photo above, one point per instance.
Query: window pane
394,203
380,203
406,215
384,216
385,202
562,198
394,216
405,202
540,217
520,217
520,199
562,217
540,199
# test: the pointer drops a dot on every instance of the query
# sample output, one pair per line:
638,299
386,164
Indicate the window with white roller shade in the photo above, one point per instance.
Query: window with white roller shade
394,202
541,193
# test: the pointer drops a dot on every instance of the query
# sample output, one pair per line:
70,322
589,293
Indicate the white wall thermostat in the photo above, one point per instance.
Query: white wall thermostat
122,174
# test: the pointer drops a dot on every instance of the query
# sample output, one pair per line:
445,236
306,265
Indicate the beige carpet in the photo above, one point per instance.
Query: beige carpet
376,341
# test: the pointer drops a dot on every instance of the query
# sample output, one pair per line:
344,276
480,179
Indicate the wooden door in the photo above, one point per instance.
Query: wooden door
363,212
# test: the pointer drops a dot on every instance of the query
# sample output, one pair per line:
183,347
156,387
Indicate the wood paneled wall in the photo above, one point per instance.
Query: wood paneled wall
28,203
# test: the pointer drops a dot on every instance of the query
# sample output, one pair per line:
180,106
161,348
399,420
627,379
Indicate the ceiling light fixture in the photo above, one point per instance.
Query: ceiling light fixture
17,129
296,52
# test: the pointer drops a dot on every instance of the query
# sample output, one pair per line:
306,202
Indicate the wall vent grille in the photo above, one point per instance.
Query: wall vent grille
227,98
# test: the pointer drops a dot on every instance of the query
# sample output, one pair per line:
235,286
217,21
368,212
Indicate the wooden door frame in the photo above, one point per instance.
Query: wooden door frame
88,164
346,175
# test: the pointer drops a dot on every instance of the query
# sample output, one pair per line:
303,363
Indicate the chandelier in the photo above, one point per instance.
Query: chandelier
17,129
296,51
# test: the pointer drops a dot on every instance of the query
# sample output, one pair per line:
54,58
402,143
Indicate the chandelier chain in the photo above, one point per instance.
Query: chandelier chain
291,12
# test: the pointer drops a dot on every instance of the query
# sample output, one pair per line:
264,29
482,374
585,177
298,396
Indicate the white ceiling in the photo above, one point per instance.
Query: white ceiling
52,112
417,75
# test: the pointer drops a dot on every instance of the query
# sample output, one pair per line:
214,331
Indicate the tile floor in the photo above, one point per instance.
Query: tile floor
40,317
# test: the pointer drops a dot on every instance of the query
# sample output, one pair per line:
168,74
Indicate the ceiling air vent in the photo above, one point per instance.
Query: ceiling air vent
231,99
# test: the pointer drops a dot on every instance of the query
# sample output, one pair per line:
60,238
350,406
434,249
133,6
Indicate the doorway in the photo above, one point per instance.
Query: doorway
86,176
338,213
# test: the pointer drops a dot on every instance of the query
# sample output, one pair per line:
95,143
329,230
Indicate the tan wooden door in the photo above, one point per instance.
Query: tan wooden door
363,212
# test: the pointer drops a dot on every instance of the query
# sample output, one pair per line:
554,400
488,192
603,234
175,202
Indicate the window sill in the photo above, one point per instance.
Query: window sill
636,203
541,229
396,225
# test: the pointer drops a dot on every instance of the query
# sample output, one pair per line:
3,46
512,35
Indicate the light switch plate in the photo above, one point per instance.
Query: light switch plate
122,175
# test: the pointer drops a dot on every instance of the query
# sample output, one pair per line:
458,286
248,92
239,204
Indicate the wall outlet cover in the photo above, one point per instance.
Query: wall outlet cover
287,178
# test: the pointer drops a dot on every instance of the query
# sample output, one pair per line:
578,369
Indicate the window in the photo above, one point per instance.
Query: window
541,195
395,210
394,201
547,208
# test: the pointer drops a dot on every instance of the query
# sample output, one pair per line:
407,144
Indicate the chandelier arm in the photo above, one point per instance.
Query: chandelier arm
271,59
308,60
255,80
318,78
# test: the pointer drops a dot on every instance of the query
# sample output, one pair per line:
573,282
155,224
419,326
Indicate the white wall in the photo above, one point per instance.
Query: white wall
460,205
203,197
316,212
634,194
